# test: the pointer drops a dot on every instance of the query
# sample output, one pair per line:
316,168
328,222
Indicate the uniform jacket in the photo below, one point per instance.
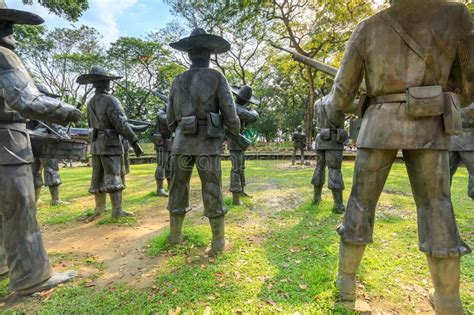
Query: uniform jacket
465,141
198,92
247,117
328,118
375,51
299,140
106,115
20,100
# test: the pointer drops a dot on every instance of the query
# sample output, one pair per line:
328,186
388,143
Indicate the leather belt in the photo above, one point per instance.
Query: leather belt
389,98
200,122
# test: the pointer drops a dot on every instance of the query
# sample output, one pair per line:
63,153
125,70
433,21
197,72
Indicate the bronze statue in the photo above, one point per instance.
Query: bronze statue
462,148
329,146
163,141
108,123
247,116
200,108
22,254
414,55
299,143
48,166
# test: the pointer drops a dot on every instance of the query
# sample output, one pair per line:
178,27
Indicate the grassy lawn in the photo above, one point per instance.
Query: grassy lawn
282,255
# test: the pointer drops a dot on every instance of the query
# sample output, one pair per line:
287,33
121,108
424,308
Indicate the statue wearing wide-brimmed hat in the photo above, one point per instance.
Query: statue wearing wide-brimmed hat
200,108
22,254
243,97
109,124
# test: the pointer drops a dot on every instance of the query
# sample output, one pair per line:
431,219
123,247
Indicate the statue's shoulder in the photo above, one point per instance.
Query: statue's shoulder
8,59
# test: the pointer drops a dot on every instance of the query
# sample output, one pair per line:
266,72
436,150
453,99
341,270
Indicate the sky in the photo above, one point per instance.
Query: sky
112,18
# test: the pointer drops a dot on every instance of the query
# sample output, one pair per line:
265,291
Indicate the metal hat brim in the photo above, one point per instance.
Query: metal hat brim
91,78
236,91
214,43
20,17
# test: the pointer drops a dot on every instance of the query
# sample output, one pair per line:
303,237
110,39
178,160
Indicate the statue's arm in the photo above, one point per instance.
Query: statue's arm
21,94
119,120
170,116
465,59
249,116
227,106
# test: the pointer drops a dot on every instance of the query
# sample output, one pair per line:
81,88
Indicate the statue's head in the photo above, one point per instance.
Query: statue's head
299,129
7,35
102,85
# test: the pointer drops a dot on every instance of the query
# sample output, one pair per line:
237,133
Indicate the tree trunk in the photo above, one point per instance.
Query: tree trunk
309,114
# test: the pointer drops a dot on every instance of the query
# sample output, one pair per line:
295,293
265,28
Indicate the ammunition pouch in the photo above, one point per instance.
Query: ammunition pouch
325,134
452,115
425,101
215,126
189,125
341,135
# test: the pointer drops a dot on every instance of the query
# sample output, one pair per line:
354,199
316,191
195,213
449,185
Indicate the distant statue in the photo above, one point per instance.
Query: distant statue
48,166
329,147
109,124
163,141
22,255
414,56
247,116
462,148
200,107
299,143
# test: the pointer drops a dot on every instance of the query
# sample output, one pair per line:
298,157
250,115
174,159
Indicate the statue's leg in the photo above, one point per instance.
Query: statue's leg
52,179
372,167
454,160
235,176
167,163
318,176
302,156
26,257
210,172
335,182
37,178
97,184
3,255
160,172
438,234
468,160
112,184
243,181
178,203
126,162
293,156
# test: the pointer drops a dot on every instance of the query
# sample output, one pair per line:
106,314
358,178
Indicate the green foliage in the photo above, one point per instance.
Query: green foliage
69,9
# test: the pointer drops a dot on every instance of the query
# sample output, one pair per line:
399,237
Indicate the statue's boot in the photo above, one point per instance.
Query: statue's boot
116,200
176,227
168,183
338,207
445,273
236,199
55,200
37,194
100,204
160,192
218,237
350,257
57,279
317,194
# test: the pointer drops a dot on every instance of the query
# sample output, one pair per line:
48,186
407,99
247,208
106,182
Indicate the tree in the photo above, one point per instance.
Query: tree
69,9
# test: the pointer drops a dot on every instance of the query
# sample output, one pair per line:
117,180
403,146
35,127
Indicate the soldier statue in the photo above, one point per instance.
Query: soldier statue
413,55
329,146
109,124
22,255
462,147
200,107
48,166
247,116
163,141
299,143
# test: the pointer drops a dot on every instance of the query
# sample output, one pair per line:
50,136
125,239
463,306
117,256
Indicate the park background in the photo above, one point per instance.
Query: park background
284,249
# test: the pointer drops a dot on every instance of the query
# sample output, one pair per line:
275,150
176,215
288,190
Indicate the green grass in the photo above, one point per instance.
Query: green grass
283,253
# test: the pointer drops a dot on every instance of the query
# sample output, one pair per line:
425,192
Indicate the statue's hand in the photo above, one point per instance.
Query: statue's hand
137,149
74,115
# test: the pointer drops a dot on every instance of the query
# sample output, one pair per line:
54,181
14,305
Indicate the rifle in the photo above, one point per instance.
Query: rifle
329,70
140,123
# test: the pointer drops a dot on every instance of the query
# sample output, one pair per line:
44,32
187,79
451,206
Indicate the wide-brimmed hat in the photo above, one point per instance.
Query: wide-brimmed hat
97,73
245,93
200,39
44,90
18,16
